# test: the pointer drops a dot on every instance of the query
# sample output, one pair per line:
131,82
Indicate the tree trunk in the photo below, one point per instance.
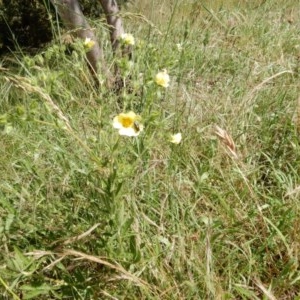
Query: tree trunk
73,18
114,21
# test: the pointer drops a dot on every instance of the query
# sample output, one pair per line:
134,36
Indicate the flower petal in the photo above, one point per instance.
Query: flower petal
116,123
129,131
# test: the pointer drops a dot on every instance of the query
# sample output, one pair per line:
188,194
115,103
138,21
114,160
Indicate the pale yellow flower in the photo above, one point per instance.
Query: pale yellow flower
179,47
88,43
128,39
128,124
176,138
163,78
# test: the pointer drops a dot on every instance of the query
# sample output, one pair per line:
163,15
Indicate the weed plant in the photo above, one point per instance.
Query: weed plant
86,213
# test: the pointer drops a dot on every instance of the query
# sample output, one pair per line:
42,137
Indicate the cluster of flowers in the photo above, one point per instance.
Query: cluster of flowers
129,124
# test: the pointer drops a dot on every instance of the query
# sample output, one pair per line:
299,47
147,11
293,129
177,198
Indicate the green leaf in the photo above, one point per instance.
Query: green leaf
32,291
9,221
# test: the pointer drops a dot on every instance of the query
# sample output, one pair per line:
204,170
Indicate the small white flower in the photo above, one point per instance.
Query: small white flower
176,138
179,47
162,78
128,124
88,43
128,39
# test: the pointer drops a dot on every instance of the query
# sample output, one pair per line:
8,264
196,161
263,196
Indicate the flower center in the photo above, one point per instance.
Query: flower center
126,122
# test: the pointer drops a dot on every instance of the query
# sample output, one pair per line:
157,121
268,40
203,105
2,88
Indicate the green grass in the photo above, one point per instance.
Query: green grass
88,214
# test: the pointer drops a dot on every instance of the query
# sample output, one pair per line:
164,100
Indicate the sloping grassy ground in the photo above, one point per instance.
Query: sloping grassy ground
88,214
